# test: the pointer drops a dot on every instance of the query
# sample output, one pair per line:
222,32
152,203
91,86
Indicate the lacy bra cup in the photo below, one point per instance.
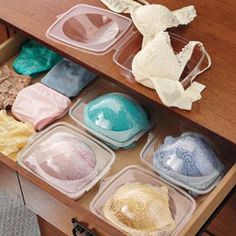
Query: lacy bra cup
124,6
158,67
140,209
154,18
116,115
189,161
64,161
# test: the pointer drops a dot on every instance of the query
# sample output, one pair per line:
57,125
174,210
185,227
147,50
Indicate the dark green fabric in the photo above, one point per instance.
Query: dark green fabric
35,58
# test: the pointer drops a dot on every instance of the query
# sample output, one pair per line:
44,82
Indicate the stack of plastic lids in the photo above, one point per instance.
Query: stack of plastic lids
67,158
110,114
187,160
139,203
89,28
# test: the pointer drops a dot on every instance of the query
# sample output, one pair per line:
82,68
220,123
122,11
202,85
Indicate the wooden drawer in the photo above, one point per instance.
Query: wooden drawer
58,210
53,210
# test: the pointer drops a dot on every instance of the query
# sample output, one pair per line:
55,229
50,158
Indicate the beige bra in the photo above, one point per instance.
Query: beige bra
140,209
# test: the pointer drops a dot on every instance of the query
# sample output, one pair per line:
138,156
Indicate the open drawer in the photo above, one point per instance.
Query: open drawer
58,209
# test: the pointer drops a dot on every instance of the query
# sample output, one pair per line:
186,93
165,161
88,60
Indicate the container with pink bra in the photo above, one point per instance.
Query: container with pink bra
67,158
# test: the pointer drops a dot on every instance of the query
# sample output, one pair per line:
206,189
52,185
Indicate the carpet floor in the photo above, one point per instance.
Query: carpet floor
15,219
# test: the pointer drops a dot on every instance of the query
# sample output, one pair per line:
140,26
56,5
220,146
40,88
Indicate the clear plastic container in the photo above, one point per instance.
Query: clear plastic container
182,205
124,55
89,28
156,139
104,87
97,31
62,163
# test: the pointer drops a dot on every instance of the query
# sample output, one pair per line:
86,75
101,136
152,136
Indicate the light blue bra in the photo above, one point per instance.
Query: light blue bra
188,161
68,78
116,116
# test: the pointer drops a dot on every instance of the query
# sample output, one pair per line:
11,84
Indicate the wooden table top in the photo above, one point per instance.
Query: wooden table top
214,27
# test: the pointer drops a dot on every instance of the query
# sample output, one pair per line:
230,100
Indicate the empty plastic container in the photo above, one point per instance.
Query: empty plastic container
181,204
67,158
89,28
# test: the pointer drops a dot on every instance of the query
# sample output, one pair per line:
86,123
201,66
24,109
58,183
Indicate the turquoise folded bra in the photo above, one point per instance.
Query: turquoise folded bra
35,58
116,116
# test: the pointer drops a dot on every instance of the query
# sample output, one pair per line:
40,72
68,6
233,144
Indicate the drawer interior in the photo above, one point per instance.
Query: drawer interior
206,204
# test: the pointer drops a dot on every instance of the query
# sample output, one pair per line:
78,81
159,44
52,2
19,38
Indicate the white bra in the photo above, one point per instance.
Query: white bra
154,18
124,6
156,66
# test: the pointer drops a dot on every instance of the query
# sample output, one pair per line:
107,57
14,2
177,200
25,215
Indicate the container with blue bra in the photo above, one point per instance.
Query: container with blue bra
111,114
188,160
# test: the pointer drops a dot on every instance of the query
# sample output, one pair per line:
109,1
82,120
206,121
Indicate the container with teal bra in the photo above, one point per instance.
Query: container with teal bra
113,116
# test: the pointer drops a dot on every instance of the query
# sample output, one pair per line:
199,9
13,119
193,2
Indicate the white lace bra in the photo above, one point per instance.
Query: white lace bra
158,67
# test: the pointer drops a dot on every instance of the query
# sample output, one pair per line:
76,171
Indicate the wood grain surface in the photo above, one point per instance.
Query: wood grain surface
214,27
3,33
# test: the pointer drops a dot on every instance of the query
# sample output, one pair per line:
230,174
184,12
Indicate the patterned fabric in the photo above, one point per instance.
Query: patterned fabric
116,116
14,135
11,84
69,168
188,159
35,58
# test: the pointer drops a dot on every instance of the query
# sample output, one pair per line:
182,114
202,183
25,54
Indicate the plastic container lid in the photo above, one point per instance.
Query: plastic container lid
124,55
103,87
89,28
182,205
147,155
56,163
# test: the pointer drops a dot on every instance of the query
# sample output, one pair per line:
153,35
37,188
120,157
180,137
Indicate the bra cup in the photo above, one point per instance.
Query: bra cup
140,209
116,116
152,19
189,159
74,161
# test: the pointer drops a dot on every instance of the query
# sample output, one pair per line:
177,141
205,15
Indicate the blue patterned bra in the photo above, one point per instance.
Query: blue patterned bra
188,161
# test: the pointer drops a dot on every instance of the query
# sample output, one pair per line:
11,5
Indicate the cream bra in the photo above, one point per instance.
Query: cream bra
158,67
124,6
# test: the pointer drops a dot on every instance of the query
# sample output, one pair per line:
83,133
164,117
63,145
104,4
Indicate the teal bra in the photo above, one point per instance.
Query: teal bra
35,58
116,116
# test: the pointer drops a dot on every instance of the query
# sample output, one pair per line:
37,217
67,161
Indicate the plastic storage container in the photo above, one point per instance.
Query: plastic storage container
96,30
156,140
181,204
124,55
89,28
103,87
38,156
